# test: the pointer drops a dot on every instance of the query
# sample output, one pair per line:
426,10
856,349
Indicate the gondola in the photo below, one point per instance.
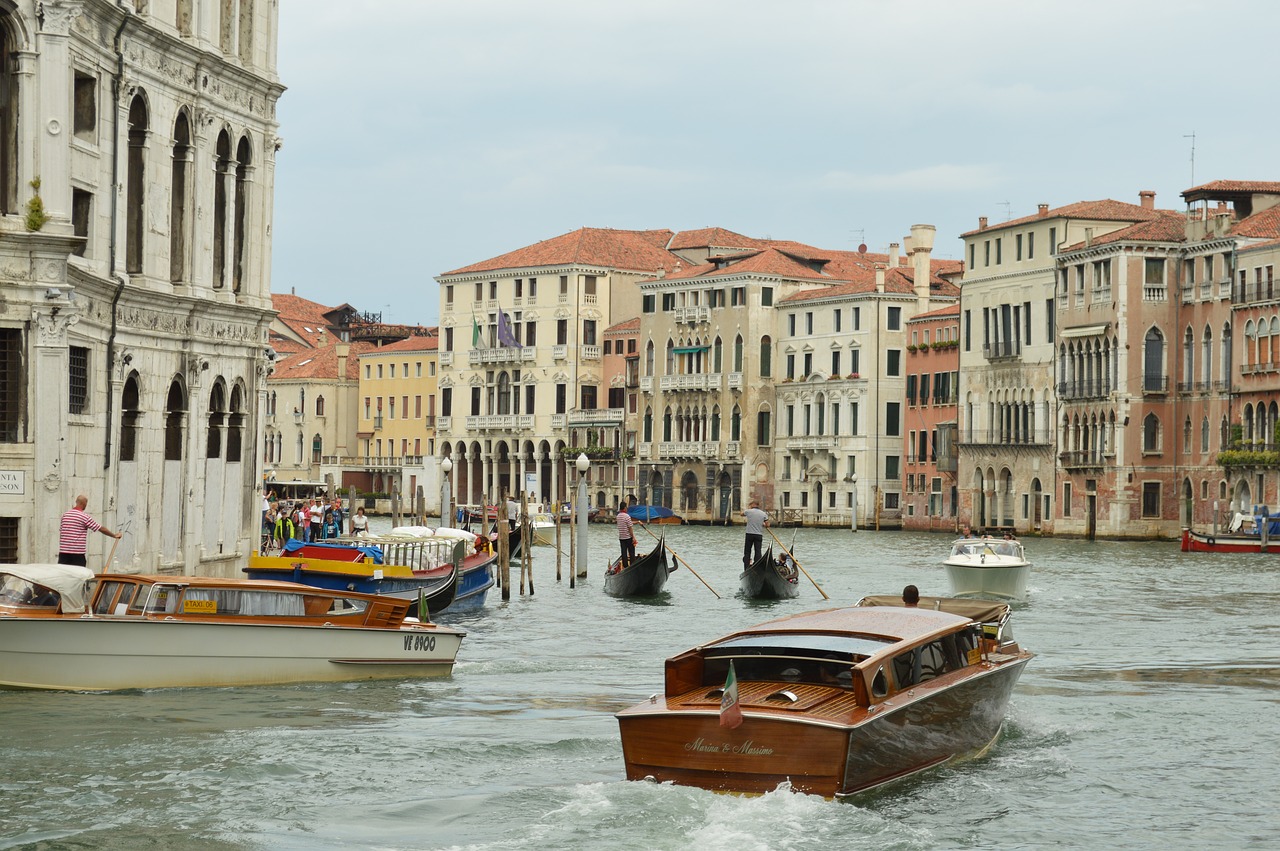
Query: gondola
644,577
770,579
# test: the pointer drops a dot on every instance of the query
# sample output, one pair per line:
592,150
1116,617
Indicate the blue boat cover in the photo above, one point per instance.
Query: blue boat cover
648,513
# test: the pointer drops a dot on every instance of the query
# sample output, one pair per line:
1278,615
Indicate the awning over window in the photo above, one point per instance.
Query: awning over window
1085,331
689,350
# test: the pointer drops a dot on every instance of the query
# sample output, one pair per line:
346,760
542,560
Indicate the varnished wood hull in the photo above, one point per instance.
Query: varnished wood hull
834,748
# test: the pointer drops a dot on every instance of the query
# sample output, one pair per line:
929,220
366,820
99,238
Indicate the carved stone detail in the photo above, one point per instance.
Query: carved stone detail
52,323
56,16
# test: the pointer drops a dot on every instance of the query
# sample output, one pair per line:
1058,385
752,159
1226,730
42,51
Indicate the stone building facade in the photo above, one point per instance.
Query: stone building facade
136,180
929,489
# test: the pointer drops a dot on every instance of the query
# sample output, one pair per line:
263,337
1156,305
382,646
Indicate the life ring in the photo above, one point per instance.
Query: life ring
1210,541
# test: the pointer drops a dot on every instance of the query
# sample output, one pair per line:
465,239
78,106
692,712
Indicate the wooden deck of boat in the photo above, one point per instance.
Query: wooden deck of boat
828,703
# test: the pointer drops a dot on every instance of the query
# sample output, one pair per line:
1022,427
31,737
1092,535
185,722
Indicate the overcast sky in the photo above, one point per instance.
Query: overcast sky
424,135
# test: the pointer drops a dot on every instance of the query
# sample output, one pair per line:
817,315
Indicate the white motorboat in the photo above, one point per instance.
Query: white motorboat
993,568
145,631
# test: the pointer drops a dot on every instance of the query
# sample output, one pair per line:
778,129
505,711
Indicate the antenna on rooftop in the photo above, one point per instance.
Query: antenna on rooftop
1008,209
862,236
1192,137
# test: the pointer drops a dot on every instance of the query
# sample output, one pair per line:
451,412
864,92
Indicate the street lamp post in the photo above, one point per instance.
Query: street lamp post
583,465
446,510
854,513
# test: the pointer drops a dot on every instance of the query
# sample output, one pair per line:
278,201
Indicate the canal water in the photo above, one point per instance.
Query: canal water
1148,719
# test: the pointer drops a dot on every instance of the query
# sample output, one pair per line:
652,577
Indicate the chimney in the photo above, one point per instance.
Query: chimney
879,277
1042,210
982,222
1222,208
921,241
1147,199
342,350
893,255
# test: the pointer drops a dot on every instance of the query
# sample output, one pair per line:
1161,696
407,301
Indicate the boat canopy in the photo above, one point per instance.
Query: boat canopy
294,546
982,611
68,580
849,647
647,513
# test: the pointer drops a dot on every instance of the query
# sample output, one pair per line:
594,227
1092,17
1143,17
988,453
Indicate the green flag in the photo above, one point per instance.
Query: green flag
475,332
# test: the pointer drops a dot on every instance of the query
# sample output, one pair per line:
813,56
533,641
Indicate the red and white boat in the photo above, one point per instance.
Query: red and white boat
1257,533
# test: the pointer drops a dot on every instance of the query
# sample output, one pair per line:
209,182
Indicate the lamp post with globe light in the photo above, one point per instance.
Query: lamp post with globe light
583,465
446,493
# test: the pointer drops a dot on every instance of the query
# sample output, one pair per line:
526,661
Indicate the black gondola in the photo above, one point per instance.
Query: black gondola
770,579
644,577
438,597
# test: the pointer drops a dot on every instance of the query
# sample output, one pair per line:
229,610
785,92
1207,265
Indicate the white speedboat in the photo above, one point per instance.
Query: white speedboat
994,568
144,631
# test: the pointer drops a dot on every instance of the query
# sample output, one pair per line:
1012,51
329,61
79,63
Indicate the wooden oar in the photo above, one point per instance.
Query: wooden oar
679,559
106,568
799,565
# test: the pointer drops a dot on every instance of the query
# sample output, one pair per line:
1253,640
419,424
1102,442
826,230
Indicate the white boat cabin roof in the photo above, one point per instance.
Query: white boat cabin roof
69,581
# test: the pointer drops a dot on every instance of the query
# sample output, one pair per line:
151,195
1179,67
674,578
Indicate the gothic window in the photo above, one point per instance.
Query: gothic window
222,166
1151,433
766,356
317,449
319,406
217,418
238,251
737,354
1153,361
9,85
135,185
235,426
179,198
130,417
175,412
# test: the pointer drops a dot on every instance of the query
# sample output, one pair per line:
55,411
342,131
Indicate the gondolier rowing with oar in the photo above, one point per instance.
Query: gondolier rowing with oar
626,537
757,520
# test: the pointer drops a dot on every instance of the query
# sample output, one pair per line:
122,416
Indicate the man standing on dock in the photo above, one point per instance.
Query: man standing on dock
756,521
73,533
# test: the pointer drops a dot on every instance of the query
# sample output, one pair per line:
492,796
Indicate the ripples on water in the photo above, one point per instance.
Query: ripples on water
1146,720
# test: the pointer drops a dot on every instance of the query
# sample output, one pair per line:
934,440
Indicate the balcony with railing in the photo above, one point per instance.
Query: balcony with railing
811,441
595,416
692,315
557,421
1092,388
444,423
733,450
446,358
502,354
702,381
977,437
1155,292
1002,350
500,422
646,384
590,352
1155,385
1082,459
735,381
684,449
372,463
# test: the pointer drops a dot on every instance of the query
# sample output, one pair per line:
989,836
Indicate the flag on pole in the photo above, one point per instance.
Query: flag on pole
730,710
475,332
506,334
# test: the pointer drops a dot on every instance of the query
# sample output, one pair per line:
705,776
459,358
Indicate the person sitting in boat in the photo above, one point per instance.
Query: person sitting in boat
789,569
483,544
911,597
359,523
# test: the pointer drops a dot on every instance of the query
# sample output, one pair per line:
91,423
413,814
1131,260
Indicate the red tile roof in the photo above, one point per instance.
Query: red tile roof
1264,225
1170,226
630,250
1234,186
628,325
412,344
1105,210
712,238
319,364
940,313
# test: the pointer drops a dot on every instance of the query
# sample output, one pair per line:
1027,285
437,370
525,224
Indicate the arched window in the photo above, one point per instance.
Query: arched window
1186,436
9,85
238,250
715,424
735,425
1153,377
235,426
648,358
504,393
764,428
1226,359
1151,433
666,425
1188,356
175,412
317,449
1204,435
717,356
671,358
271,403
737,353
319,406
766,356
648,418
222,167
179,198
217,417
1206,355
135,185
130,417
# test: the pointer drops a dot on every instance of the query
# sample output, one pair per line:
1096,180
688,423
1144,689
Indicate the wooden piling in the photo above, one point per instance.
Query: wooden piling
559,552
504,548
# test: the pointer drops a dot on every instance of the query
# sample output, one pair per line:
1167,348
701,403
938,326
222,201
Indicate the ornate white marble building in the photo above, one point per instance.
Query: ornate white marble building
137,159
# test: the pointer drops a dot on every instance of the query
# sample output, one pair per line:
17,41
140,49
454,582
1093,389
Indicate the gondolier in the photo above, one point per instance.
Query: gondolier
757,520
626,535
73,533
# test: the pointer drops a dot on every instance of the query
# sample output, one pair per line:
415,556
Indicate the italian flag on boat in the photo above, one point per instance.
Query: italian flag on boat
730,710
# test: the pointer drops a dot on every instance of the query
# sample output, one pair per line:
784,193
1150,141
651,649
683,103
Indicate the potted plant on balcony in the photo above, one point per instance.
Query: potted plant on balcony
853,375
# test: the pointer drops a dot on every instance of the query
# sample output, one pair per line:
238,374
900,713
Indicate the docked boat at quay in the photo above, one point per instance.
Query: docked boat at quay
1246,533
151,631
833,702
988,568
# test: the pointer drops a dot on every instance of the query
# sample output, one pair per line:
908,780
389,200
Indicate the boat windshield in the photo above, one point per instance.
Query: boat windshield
806,658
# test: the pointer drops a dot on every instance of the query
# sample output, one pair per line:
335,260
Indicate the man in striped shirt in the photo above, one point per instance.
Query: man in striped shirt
626,536
73,533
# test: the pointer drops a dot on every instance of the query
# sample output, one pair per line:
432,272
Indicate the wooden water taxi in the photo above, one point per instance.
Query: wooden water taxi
141,632
834,702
